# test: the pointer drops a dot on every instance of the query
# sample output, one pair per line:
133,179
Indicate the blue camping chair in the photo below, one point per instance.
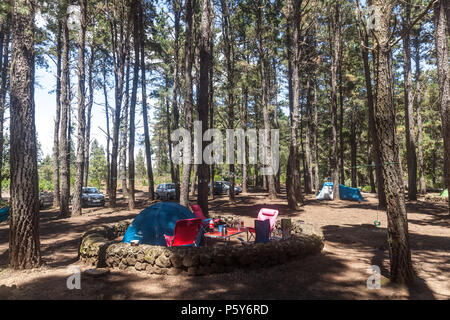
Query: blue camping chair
262,231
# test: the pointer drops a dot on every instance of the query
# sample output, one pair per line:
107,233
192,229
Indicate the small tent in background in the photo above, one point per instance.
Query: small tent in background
444,193
4,213
347,193
152,223
327,192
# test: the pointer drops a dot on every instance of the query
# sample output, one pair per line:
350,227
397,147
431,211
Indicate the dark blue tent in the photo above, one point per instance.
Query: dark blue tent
4,213
347,193
151,224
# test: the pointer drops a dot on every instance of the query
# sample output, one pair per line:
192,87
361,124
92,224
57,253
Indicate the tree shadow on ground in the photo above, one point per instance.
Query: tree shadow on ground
369,238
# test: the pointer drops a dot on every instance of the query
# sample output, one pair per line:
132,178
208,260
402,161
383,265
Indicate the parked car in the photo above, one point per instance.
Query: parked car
222,187
92,197
237,189
165,191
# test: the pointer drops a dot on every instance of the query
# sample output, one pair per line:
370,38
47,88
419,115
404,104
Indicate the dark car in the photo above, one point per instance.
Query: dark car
92,197
222,187
165,191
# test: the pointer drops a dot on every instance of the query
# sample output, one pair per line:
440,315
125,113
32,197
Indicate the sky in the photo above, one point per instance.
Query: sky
45,101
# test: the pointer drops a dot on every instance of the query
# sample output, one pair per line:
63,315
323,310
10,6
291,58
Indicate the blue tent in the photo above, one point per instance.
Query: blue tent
151,224
347,193
4,213
326,193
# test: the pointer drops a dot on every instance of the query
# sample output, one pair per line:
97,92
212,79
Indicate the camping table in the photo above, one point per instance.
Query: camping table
231,232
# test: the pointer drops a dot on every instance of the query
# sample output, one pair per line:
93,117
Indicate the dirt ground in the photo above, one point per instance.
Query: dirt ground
352,244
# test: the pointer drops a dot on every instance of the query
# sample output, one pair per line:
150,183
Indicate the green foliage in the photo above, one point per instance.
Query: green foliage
97,165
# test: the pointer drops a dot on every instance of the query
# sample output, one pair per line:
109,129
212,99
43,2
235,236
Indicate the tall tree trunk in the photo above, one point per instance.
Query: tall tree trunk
294,55
211,110
176,5
24,244
64,155
316,139
87,142
188,60
132,124
441,15
203,102
81,127
409,108
229,58
335,43
353,147
244,119
398,237
376,153
275,116
120,37
421,164
341,120
124,134
108,136
56,177
265,104
308,155
148,151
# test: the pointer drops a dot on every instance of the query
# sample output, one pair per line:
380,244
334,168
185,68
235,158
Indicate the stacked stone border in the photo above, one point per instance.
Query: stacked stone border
100,248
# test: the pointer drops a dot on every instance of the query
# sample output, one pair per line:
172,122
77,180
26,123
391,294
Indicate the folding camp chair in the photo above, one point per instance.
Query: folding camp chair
265,214
185,233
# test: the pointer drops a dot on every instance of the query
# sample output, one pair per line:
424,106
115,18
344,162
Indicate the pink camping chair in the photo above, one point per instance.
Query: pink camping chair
185,233
266,214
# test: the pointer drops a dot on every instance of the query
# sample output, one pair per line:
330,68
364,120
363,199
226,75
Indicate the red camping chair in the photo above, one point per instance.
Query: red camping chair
185,233
266,214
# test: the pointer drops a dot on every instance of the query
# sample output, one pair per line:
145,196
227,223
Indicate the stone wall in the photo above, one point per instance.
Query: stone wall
98,248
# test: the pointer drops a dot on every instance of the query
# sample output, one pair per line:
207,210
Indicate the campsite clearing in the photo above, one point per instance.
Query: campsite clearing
352,244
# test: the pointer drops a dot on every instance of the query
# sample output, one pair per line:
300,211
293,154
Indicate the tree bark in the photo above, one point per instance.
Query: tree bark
120,37
148,151
265,103
316,139
441,15
203,102
421,164
398,237
176,5
76,202
64,156
108,136
364,44
211,111
409,108
229,58
24,243
56,173
124,133
87,143
335,46
132,125
308,155
188,59
294,54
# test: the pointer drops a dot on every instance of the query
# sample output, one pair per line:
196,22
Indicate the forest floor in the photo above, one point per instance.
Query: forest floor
352,244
